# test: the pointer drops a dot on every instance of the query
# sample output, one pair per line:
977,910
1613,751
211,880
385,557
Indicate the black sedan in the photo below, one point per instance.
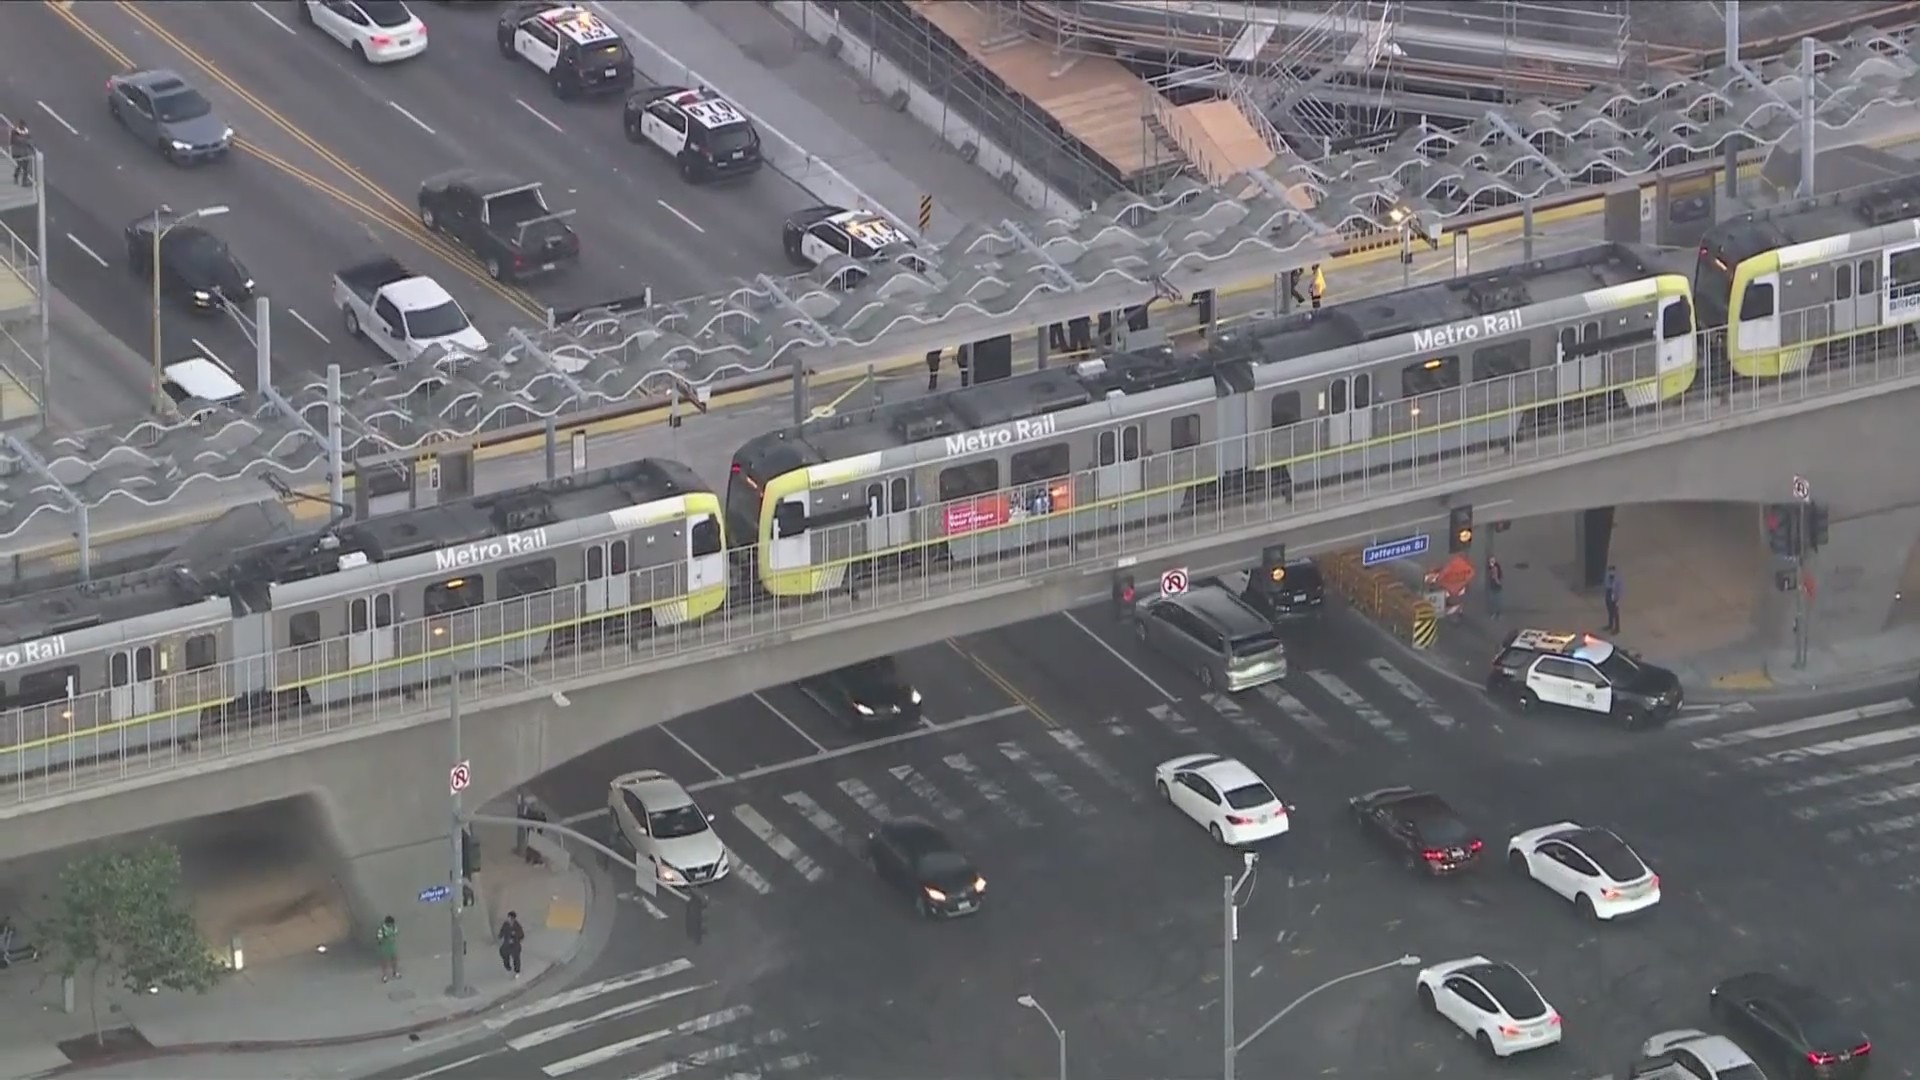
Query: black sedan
918,860
871,693
1797,1025
1418,827
197,268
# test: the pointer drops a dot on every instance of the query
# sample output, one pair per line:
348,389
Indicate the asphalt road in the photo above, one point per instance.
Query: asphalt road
1105,904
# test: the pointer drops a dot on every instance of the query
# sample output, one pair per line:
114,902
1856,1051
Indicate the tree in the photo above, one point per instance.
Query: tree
123,912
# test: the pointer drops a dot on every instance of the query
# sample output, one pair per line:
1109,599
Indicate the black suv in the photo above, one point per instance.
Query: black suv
1285,593
506,223
1419,827
871,693
197,268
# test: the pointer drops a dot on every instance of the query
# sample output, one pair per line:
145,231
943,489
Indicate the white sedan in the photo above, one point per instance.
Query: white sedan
377,31
1494,1003
1709,1057
1223,796
661,824
1593,868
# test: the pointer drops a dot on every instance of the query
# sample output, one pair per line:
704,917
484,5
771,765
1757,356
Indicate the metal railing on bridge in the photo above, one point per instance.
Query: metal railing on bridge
164,720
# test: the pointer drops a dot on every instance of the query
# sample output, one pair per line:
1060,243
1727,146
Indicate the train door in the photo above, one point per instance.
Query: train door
706,557
792,549
1581,366
1843,299
889,514
1866,294
1676,334
608,587
130,682
370,629
1350,410
1759,327
1230,420
1119,471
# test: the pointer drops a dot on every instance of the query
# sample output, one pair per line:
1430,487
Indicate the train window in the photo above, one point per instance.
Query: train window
1843,282
117,668
1130,443
898,491
303,629
382,610
1869,281
789,519
1284,409
357,616
1757,301
1109,448
143,664
45,687
706,536
974,478
1337,399
1040,463
1186,431
1430,376
1589,333
1676,319
617,558
201,652
1502,358
596,563
1569,344
528,578
455,594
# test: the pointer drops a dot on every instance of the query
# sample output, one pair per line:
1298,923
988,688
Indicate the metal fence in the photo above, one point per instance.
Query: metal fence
158,725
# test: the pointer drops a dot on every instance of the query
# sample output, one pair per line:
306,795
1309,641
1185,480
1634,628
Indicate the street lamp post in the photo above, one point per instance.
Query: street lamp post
1059,1033
1404,961
457,902
159,392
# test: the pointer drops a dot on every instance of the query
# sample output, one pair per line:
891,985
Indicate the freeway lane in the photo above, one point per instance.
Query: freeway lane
460,104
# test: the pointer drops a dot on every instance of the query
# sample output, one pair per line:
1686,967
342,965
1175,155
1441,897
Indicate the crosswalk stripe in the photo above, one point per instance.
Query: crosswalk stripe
1835,746
578,994
1254,730
626,1046
991,791
645,904
1047,780
865,799
1844,776
1077,746
785,1064
712,1055
1410,690
1802,726
1176,723
1866,800
747,873
775,839
1116,726
560,1031
1353,702
1882,827
818,817
1297,711
928,794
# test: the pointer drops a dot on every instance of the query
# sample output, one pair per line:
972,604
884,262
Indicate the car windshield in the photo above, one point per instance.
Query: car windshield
445,320
875,678
1620,668
942,865
387,13
1250,796
677,822
181,105
1254,645
725,140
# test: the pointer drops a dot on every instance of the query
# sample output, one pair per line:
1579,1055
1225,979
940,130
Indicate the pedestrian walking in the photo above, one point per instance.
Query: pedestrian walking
512,937
933,370
20,148
386,941
1057,338
1496,584
1293,285
696,917
1318,290
1613,590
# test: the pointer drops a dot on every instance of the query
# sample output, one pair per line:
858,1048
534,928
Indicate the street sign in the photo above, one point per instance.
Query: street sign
1173,582
1404,548
460,776
433,894
1802,490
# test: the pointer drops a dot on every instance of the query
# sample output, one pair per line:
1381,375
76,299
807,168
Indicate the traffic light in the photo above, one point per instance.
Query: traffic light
1816,526
1123,595
469,854
1460,529
1273,564
1783,529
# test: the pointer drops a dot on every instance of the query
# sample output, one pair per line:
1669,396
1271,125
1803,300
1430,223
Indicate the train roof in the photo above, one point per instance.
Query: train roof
119,598
974,408
1855,192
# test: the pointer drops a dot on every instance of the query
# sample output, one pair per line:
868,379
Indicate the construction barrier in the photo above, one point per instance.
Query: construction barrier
1380,595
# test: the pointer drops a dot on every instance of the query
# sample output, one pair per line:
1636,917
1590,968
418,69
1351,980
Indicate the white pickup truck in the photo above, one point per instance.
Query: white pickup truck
401,312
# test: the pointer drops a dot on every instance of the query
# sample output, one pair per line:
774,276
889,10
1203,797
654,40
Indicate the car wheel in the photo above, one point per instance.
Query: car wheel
1486,1044
632,127
560,88
1213,830
1165,791
428,219
687,172
353,322
1517,862
166,151
505,41
1584,905
1426,998
494,269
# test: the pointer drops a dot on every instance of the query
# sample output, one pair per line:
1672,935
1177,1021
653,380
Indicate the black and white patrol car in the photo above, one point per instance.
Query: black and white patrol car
574,48
814,235
707,136
1581,672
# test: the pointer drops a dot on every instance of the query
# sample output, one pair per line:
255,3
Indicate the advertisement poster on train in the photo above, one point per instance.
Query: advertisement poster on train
971,515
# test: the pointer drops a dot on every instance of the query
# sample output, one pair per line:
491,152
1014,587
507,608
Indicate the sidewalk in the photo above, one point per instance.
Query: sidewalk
328,998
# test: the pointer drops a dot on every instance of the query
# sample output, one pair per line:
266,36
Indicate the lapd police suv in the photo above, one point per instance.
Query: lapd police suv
815,234
574,48
1583,673
705,134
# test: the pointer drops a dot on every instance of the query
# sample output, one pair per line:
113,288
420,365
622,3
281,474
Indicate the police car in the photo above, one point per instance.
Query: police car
818,233
705,134
574,48
1581,672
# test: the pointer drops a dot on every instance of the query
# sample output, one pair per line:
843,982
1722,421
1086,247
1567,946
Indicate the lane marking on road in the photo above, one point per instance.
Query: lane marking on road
1411,690
932,796
1866,800
697,755
1833,746
760,827
747,873
1844,776
712,1055
540,116
1256,732
671,209
417,122
866,800
646,905
1804,725
1337,688
274,19
1117,655
1297,711
570,998
1048,780
91,254
312,329
1098,765
546,1035
625,1046
1174,720
788,720
57,118
207,352
990,790
819,818
452,1065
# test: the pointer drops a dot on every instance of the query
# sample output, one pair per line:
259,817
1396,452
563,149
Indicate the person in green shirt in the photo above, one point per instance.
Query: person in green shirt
387,940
